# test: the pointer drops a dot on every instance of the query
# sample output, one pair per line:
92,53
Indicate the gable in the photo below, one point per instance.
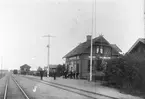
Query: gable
140,47
140,40
100,40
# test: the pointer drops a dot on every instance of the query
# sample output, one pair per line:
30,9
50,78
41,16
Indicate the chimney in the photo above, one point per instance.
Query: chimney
89,37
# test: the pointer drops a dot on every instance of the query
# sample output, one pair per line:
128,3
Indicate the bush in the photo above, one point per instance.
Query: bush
126,71
23,72
60,70
15,71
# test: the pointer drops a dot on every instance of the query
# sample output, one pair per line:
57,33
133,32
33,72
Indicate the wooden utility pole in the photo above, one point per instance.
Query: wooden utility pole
93,30
48,52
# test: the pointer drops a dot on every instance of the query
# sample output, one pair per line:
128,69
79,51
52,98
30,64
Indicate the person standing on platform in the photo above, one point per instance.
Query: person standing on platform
77,75
74,74
41,74
71,73
65,73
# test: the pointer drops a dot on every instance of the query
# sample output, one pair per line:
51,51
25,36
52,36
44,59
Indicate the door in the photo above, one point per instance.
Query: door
77,67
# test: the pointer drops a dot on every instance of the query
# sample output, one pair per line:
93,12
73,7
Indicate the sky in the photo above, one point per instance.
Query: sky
24,22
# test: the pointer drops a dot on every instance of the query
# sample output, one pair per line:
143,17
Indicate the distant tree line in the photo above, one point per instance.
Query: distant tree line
59,71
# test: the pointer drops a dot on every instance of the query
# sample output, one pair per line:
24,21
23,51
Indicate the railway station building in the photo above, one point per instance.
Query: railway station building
78,59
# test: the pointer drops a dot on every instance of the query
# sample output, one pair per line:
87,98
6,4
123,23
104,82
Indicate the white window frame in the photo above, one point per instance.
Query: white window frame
101,49
97,49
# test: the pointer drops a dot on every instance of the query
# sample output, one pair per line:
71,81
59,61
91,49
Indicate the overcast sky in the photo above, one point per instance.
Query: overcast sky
24,22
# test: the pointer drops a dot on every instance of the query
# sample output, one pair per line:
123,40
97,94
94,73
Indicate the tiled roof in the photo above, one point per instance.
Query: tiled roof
116,47
139,40
81,47
77,50
142,40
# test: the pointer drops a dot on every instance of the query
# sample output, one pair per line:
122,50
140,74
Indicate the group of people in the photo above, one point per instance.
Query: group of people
42,73
71,74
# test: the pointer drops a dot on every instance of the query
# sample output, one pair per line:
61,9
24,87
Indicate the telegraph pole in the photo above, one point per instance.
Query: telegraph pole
93,30
48,52
1,64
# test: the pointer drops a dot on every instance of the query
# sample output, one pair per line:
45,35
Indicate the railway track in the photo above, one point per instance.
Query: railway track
13,90
82,92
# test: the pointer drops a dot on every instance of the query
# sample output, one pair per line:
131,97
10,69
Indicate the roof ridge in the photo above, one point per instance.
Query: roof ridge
118,49
79,49
73,49
136,42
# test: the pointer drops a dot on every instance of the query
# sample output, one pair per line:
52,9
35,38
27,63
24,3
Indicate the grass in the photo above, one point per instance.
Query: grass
127,91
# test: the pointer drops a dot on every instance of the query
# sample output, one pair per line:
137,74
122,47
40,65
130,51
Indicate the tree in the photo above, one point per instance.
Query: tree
60,69
38,71
15,71
126,71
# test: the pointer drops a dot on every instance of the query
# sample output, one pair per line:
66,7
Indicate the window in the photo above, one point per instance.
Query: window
24,69
101,49
97,49
77,68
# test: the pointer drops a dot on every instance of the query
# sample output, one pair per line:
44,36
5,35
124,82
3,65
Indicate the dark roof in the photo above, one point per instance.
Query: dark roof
142,40
77,50
116,47
25,65
81,47
139,40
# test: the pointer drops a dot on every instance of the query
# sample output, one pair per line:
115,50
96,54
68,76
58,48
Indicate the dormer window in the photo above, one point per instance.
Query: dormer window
101,50
97,50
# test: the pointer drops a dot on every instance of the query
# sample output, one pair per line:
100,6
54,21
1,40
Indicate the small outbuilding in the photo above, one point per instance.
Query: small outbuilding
25,69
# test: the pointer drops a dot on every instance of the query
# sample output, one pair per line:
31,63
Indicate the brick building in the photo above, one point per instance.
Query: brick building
79,58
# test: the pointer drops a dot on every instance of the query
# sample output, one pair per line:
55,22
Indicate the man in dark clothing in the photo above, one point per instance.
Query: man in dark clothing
71,74
41,74
54,74
77,75
65,74
74,74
